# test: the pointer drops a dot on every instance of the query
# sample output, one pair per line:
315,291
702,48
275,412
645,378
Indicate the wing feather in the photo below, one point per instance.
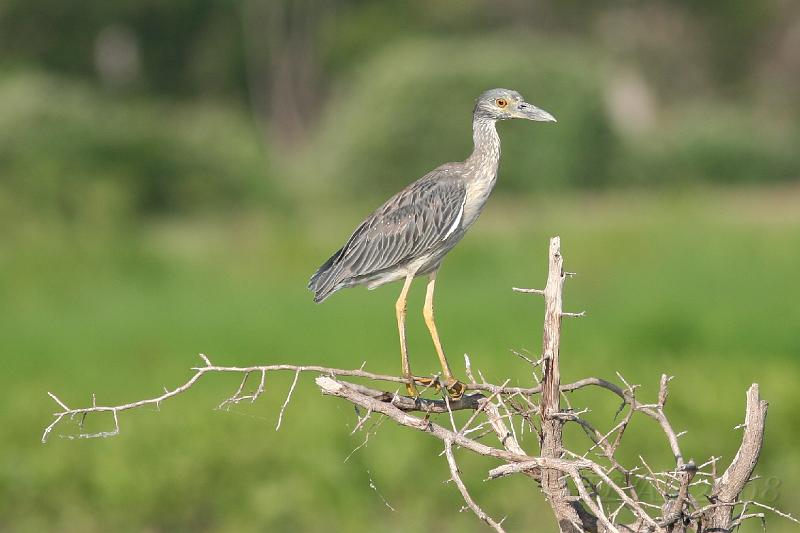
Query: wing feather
409,224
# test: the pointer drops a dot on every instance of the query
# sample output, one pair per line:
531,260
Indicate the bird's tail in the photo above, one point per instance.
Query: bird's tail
325,280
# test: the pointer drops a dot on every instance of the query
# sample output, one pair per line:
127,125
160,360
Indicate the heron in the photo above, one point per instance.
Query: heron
410,234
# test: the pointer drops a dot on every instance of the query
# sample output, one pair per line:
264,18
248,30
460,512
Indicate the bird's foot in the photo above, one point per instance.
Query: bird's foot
426,382
455,389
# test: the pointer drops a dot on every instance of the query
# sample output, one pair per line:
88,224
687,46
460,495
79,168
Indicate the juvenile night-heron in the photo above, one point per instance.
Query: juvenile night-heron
410,234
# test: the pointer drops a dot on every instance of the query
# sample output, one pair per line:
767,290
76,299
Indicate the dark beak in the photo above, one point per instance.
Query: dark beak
531,112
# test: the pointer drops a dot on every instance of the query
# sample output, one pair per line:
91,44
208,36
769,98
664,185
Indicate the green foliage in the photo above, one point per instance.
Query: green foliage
405,111
72,151
713,143
187,47
408,110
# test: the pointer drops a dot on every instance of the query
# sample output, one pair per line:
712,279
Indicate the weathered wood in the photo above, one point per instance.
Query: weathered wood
728,488
554,483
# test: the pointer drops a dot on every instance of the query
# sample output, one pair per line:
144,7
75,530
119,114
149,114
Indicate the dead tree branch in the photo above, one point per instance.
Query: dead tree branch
589,490
554,484
469,401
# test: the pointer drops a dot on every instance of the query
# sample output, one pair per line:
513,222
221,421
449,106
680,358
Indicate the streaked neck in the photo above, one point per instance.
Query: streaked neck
487,144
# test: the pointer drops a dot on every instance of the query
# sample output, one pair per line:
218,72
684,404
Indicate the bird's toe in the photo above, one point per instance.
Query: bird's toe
455,389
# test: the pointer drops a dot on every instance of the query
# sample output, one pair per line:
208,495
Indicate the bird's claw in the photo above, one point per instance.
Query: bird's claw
455,389
426,382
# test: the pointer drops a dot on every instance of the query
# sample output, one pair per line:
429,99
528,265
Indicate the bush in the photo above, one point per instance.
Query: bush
713,143
409,109
75,152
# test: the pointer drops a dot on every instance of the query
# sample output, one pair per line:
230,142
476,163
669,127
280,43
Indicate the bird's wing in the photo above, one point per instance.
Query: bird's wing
413,221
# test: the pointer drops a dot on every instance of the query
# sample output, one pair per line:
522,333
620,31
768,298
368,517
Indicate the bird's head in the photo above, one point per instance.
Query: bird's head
503,104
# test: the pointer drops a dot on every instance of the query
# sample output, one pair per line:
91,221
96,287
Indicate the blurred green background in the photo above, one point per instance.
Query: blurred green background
172,172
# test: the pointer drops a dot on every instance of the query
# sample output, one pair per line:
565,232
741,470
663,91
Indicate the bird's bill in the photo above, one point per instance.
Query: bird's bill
531,112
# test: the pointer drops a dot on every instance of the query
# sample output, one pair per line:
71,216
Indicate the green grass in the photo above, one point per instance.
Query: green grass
702,286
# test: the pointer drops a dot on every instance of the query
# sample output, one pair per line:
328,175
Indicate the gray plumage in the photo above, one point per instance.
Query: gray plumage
412,232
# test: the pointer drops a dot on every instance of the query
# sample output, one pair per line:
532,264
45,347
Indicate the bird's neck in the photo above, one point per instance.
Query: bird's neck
486,154
480,169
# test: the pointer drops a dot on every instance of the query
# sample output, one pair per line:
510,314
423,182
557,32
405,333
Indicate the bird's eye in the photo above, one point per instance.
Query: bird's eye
501,102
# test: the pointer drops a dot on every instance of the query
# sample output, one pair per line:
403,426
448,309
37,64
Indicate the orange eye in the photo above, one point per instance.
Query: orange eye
501,102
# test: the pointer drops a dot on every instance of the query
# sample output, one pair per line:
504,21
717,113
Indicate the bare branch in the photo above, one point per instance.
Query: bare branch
333,387
566,510
728,487
59,402
404,402
528,291
375,488
673,511
451,461
778,512
237,396
288,398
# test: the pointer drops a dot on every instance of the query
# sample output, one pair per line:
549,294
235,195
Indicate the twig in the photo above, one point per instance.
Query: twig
451,461
288,397
674,510
528,291
375,488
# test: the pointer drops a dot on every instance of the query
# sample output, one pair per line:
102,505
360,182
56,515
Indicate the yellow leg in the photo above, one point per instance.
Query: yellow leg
400,310
454,387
